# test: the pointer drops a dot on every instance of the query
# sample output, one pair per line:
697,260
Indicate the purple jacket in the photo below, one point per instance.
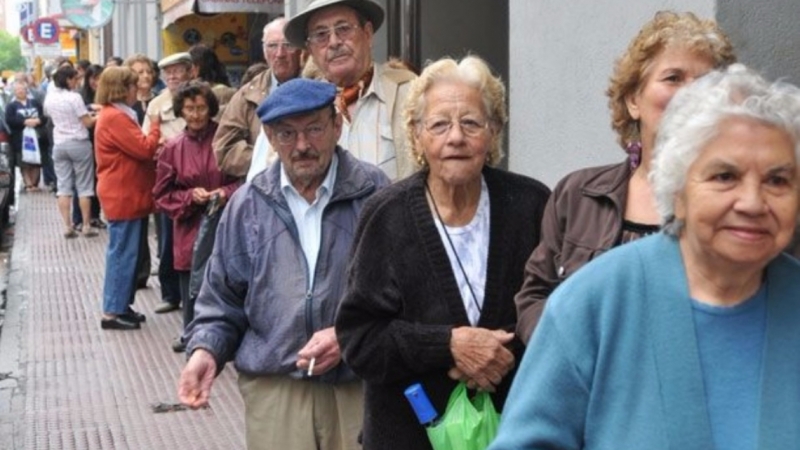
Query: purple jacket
187,162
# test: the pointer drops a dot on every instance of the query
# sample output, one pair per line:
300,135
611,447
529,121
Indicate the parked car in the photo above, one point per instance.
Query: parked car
6,171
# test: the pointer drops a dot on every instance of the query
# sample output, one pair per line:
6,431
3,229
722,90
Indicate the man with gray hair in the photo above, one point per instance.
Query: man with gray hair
275,279
239,125
175,69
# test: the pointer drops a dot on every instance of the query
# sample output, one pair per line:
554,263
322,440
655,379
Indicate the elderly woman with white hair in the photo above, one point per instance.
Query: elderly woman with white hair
686,339
438,258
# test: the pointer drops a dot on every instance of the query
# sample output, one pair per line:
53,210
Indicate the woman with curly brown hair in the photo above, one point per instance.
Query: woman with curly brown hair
595,209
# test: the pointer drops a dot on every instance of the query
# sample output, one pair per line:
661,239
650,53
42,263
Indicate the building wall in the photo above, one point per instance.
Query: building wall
145,19
560,62
765,33
460,37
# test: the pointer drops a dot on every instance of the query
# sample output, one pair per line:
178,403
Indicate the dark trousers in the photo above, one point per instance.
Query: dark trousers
167,276
77,218
143,261
48,170
188,302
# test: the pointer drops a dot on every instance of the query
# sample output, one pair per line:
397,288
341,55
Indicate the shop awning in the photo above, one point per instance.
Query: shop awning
173,10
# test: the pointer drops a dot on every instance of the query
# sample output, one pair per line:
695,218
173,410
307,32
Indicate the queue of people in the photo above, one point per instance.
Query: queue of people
451,268
368,240
673,338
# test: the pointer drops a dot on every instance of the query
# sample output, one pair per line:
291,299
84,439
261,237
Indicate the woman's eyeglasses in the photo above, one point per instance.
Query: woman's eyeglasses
440,126
192,110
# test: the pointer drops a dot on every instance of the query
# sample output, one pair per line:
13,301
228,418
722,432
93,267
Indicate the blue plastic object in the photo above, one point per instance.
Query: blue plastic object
426,413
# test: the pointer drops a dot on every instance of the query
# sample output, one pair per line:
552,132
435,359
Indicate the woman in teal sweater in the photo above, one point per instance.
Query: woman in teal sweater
686,339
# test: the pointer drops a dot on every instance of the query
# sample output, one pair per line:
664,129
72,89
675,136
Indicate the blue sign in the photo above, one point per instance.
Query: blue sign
26,14
46,31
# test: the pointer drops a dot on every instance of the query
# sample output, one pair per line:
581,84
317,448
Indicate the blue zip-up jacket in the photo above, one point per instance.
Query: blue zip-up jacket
256,306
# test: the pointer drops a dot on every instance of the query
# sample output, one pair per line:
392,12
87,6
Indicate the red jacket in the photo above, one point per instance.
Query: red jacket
125,165
188,162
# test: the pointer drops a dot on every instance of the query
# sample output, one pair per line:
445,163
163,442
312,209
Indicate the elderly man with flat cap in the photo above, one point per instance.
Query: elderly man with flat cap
338,34
275,278
175,69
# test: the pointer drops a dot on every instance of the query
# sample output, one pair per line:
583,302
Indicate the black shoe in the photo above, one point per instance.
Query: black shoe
118,323
165,307
132,316
179,345
97,223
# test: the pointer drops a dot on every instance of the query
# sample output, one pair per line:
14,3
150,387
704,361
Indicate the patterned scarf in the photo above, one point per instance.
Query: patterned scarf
350,94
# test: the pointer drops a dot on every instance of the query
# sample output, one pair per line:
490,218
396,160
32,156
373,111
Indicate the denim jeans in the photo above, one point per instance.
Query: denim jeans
121,258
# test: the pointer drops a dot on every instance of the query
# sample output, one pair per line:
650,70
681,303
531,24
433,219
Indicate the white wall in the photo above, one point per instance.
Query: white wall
561,57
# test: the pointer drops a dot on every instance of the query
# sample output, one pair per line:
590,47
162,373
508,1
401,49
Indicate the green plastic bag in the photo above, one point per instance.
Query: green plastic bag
467,424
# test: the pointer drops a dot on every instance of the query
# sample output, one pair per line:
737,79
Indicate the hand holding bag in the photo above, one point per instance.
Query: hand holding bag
467,424
204,244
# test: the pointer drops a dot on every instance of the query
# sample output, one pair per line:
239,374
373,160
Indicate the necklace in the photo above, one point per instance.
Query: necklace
453,247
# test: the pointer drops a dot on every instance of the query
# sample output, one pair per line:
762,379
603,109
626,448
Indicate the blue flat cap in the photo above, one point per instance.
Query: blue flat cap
296,96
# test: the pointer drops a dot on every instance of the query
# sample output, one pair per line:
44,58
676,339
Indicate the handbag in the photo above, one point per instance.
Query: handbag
204,244
30,146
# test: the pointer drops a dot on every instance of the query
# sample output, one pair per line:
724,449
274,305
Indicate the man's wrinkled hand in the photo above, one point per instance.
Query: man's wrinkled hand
196,379
323,348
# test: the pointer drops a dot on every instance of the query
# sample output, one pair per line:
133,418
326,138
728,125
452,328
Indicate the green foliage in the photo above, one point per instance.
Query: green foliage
10,55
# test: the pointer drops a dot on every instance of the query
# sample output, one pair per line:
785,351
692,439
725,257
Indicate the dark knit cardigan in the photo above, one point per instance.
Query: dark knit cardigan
402,298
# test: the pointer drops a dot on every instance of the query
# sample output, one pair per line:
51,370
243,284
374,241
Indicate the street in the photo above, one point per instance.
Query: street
65,383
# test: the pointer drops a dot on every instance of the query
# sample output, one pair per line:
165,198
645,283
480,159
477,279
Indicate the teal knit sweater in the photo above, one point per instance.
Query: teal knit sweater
613,364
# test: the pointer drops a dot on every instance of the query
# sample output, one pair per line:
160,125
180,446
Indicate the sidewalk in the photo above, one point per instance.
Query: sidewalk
65,383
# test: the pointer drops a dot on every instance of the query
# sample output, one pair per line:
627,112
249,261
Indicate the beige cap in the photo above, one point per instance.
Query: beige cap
175,58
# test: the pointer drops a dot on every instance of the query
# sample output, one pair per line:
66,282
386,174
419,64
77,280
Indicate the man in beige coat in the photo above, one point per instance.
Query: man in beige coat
239,125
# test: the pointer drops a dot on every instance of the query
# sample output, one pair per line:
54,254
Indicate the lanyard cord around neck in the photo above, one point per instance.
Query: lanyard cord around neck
452,247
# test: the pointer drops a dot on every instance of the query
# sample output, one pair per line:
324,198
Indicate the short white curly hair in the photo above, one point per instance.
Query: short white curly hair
693,118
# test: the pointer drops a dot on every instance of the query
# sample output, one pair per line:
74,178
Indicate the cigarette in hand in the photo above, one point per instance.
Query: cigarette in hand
311,366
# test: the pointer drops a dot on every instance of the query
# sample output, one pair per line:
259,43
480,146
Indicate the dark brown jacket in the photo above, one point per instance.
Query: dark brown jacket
583,218
239,127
